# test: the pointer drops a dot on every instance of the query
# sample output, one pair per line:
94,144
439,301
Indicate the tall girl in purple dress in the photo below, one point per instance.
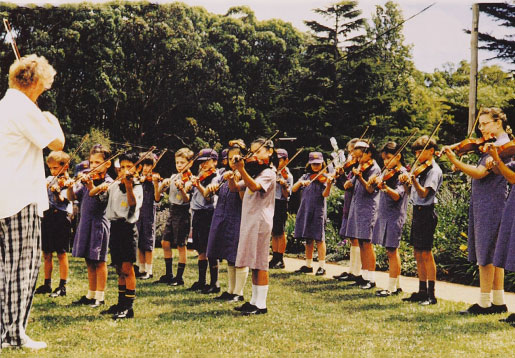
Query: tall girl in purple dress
224,233
92,236
363,211
391,214
485,213
312,214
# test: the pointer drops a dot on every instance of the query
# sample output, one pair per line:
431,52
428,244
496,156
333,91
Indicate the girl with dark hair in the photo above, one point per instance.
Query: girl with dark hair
256,220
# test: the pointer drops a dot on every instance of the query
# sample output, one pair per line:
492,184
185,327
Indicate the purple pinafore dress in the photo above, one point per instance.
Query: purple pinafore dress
311,216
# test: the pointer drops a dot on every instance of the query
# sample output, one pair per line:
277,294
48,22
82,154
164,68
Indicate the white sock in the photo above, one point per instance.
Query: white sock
241,279
99,295
372,276
148,268
262,292
231,277
138,263
309,262
321,263
90,295
398,283
484,299
355,268
364,274
254,297
392,281
498,297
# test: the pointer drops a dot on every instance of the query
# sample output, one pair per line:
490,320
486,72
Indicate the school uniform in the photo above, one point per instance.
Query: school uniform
312,213
424,220
505,247
92,237
256,222
485,213
55,225
363,207
177,227
391,215
123,240
347,199
224,233
202,210
146,223
281,206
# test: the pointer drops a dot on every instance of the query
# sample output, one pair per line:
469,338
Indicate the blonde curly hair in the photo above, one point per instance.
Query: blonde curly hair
30,69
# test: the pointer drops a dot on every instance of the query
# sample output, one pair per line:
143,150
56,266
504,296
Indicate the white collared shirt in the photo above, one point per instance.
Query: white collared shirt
24,132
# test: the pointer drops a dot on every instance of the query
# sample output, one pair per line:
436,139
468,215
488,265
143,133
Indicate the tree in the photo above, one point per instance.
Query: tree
504,13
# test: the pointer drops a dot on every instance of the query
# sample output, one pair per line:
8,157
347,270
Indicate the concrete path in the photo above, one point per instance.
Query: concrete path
445,290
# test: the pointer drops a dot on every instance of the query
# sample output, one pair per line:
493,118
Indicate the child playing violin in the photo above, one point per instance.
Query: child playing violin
311,216
203,206
391,214
92,236
363,209
486,208
344,174
124,198
256,220
55,225
146,223
224,233
504,257
425,185
178,224
282,195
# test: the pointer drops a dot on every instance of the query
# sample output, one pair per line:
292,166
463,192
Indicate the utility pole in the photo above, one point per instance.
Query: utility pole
473,67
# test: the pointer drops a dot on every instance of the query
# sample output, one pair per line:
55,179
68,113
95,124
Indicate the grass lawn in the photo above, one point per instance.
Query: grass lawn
306,314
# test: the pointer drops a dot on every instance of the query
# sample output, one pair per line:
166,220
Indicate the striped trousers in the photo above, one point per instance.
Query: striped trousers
20,258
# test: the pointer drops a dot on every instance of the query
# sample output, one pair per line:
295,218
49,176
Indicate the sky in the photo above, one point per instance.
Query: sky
437,34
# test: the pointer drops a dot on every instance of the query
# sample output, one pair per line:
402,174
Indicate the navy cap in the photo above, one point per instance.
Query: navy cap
207,153
224,153
316,158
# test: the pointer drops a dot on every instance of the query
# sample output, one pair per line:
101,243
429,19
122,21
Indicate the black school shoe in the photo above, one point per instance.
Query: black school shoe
499,308
236,298
124,314
416,297
341,276
210,289
58,292
84,301
428,301
278,265
320,272
255,311
224,296
43,289
137,272
111,310
176,282
97,304
245,307
367,285
166,279
358,281
305,269
197,286
510,319
476,309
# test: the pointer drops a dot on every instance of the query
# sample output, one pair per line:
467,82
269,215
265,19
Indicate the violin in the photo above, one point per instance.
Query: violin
149,177
322,178
422,167
284,173
186,176
469,145
364,166
391,173
505,151
205,175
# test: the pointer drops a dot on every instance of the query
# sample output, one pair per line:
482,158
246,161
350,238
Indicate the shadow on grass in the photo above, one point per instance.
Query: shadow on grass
184,315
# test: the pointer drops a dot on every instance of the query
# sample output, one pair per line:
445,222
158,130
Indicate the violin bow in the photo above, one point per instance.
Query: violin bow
100,165
143,157
321,171
86,136
13,41
294,156
158,159
365,132
250,154
400,149
428,140
475,122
